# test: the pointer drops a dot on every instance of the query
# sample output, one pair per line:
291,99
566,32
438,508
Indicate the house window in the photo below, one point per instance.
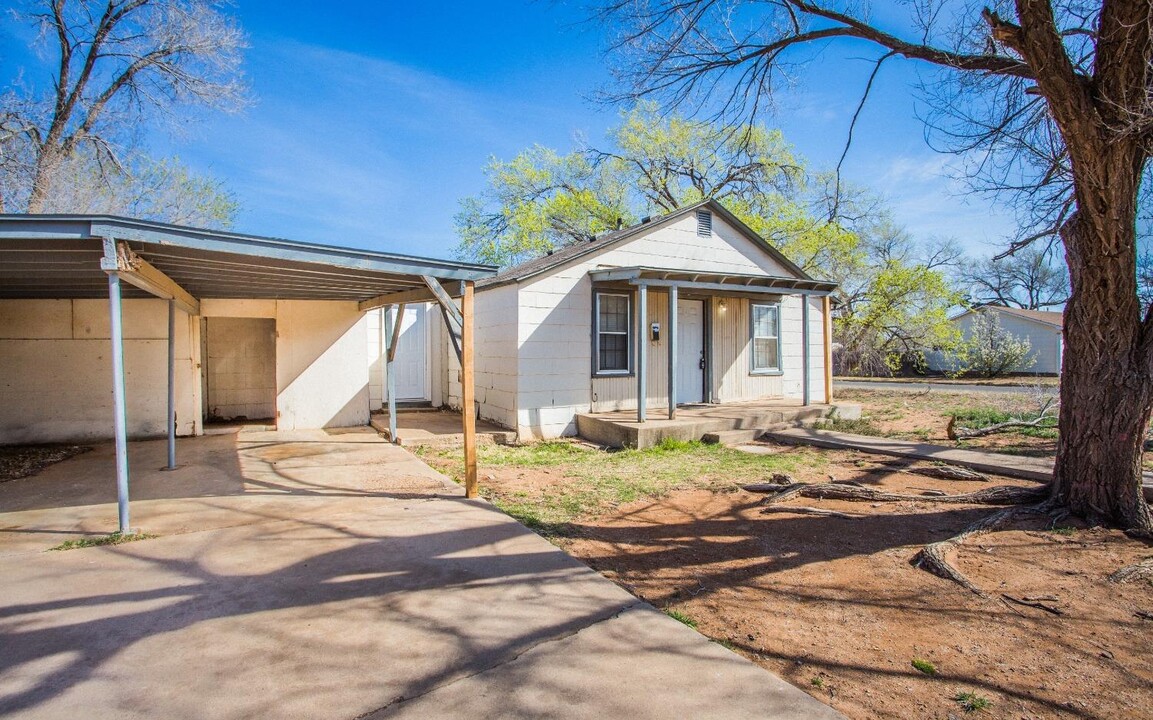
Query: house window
766,337
612,334
704,223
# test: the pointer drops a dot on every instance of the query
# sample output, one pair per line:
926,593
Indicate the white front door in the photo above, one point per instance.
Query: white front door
690,351
411,362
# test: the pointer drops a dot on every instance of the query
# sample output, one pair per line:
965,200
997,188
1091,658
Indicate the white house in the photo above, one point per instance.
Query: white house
1041,328
590,328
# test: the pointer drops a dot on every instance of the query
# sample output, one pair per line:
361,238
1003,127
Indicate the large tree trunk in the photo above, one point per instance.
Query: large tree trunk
1107,375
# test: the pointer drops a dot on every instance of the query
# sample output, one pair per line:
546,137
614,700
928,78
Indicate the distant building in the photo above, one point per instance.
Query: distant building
1041,328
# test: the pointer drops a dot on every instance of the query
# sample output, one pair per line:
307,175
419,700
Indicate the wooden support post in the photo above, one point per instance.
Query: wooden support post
825,307
671,334
468,392
642,350
396,332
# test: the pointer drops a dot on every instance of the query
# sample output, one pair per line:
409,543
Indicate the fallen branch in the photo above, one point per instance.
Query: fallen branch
962,433
805,510
1131,573
1043,415
1034,604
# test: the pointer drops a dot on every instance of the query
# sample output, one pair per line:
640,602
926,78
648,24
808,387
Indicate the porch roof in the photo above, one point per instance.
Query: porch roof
715,282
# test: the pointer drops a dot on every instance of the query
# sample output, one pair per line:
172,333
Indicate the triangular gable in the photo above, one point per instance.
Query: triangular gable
772,261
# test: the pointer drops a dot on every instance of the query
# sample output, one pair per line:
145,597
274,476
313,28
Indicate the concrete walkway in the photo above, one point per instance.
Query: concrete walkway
319,575
1017,466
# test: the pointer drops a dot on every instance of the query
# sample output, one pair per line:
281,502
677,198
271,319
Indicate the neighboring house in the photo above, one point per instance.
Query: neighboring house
564,334
1041,328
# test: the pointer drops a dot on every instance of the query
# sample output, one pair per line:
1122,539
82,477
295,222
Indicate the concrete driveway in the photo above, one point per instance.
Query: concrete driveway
319,575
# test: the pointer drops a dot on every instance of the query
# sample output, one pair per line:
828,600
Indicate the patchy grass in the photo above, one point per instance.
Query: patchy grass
586,482
980,417
860,426
682,618
971,702
924,666
115,538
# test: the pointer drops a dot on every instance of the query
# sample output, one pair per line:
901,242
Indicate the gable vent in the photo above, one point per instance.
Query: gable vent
704,223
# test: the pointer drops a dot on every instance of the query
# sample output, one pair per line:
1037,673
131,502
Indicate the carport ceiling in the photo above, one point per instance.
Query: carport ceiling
59,256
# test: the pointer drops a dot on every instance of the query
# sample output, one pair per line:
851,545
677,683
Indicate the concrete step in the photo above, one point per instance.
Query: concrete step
731,437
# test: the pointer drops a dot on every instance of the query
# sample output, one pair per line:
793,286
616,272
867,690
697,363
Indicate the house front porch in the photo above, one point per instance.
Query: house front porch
694,422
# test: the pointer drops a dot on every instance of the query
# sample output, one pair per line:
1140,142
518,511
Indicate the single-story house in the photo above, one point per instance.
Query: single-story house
1041,328
114,327
694,296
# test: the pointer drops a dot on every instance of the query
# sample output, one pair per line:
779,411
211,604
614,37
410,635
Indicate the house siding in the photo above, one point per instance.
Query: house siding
554,338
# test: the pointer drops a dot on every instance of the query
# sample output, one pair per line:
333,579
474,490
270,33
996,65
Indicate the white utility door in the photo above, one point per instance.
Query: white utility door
411,363
690,351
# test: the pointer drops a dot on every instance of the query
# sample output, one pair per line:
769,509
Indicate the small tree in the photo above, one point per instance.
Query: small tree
990,350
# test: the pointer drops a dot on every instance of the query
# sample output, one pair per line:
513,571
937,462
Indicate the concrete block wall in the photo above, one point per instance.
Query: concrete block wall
56,370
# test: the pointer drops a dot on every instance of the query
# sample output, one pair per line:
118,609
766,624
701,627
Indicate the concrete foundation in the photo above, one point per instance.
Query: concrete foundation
620,429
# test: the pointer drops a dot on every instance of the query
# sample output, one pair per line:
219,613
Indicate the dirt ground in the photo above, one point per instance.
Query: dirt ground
835,607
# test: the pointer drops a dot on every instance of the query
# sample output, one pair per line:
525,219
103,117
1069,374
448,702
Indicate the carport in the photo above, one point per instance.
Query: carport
91,256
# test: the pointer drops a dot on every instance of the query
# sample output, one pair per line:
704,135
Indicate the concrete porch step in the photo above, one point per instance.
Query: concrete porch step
730,437
731,423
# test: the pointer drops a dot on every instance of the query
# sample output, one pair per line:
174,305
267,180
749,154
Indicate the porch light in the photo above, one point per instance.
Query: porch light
722,305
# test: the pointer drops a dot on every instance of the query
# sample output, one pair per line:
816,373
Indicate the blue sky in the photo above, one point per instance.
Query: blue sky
370,121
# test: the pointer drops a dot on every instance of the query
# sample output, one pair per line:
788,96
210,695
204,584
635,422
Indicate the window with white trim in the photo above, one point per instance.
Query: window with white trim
766,337
613,333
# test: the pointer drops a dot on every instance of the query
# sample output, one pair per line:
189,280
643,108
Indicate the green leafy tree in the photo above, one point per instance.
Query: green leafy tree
892,301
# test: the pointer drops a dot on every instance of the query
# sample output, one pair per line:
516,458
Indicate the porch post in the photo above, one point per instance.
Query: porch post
805,350
119,411
390,376
171,385
468,391
642,350
825,309
672,335
384,359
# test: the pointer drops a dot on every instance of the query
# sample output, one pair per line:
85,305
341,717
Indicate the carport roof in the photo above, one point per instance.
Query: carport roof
60,256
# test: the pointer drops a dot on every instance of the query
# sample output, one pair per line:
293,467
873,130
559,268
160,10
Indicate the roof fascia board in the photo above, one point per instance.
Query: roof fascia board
253,246
730,287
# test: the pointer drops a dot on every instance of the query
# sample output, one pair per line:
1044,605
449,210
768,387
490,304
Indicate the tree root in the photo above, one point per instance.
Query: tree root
1132,573
999,495
949,472
804,510
932,556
